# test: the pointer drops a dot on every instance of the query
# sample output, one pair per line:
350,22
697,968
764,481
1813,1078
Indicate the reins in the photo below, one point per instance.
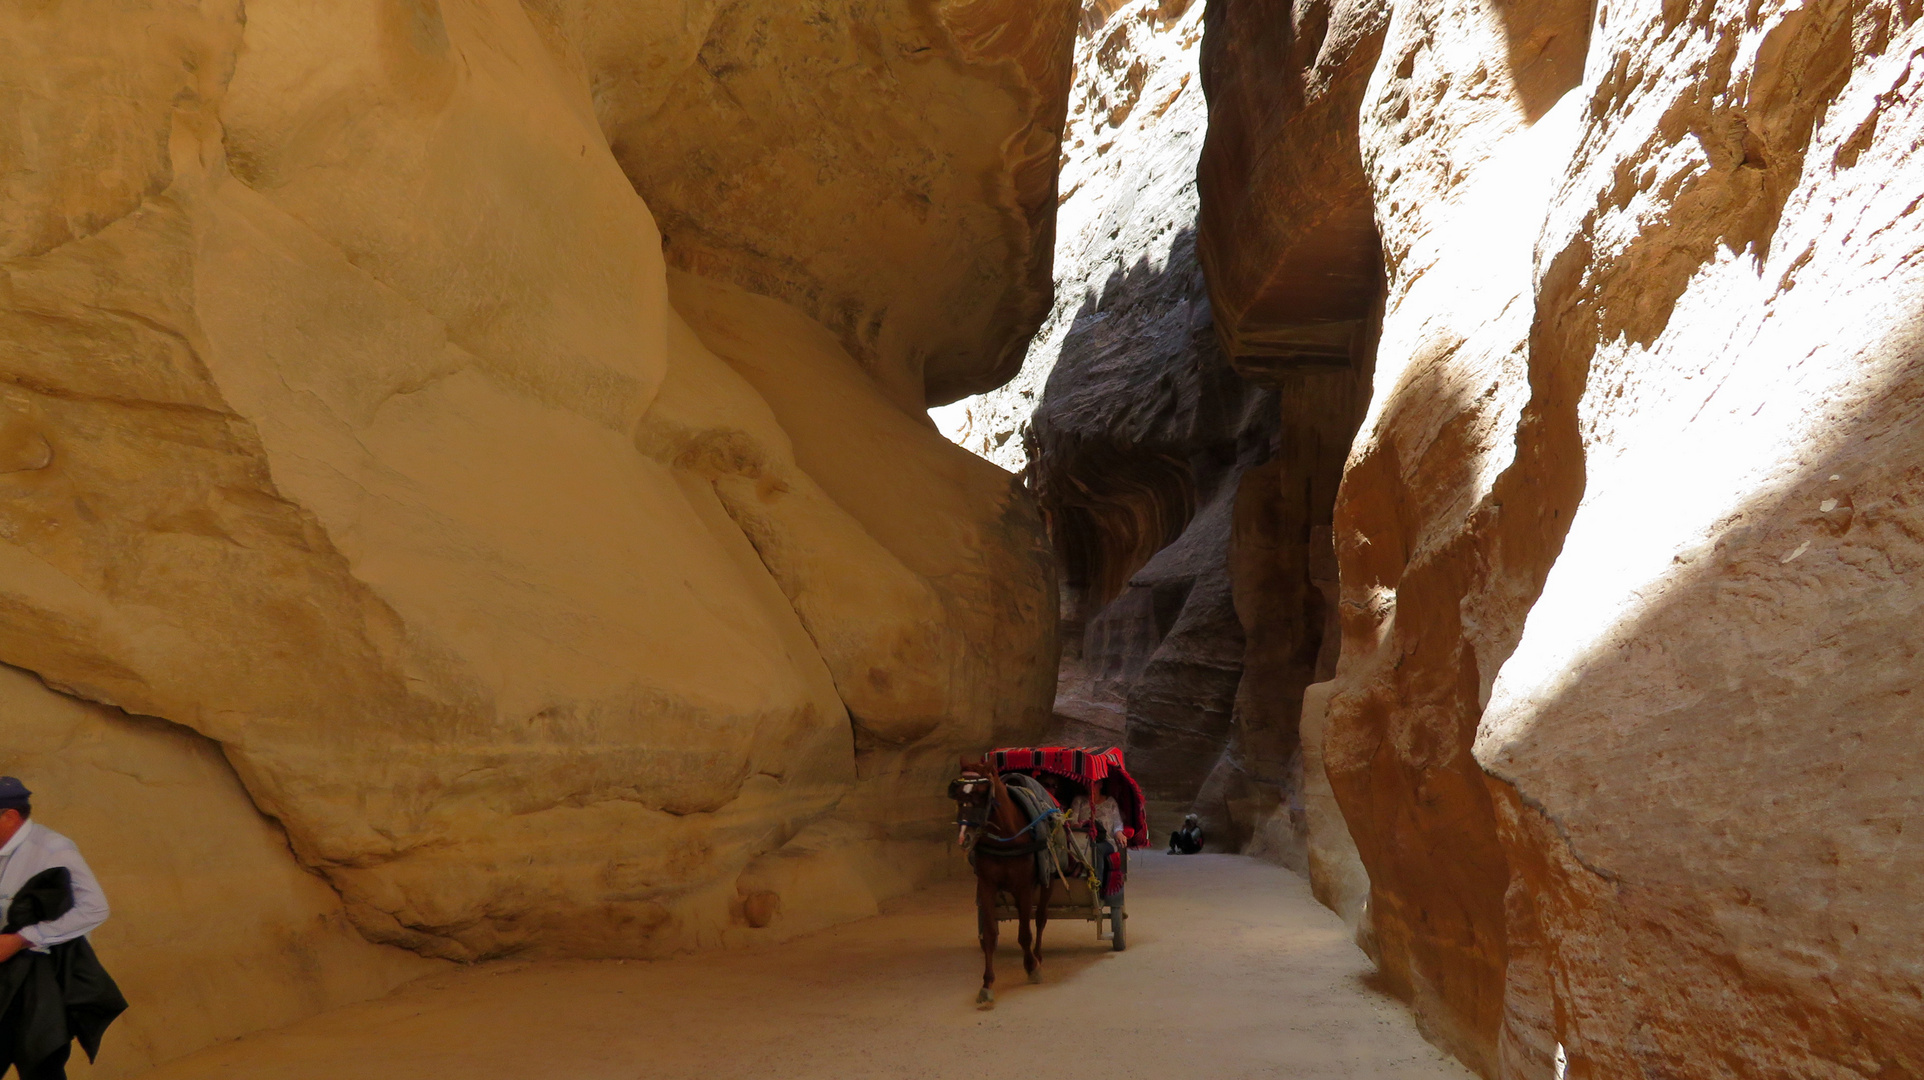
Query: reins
1046,814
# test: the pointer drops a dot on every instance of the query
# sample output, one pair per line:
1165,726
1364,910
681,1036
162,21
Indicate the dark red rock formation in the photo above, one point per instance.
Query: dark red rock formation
1283,569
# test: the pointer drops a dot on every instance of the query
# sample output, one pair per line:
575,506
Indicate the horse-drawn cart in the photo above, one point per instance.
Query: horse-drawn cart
1078,898
1090,883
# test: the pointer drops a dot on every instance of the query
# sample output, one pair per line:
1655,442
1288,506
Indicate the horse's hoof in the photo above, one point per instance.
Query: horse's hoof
985,999
1035,976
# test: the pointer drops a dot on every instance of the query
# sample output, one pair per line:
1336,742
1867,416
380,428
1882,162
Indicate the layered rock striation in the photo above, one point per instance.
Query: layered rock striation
550,596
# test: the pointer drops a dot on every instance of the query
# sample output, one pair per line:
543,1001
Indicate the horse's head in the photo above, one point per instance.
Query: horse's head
974,793
971,790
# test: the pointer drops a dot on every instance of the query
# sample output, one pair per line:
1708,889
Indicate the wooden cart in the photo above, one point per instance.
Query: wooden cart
1073,898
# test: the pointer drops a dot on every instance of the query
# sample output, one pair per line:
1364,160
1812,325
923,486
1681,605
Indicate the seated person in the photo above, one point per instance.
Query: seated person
1055,786
1102,810
1187,840
1112,836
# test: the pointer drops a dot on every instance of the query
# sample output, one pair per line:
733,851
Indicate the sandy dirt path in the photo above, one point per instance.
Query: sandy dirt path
1232,971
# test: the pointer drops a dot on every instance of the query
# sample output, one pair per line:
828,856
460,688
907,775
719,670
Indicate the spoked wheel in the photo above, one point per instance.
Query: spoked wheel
1116,917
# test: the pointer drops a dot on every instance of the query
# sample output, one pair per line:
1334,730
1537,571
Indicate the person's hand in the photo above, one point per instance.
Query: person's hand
11,944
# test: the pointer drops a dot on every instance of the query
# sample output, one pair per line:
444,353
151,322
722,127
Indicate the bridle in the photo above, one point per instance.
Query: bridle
974,796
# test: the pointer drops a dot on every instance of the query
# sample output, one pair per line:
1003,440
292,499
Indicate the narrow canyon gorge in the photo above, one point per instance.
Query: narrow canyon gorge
566,480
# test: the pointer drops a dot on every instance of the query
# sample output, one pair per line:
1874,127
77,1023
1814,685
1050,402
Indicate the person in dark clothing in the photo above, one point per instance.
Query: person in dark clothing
52,987
1187,840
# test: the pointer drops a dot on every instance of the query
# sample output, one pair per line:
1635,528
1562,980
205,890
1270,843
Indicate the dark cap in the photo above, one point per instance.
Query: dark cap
12,790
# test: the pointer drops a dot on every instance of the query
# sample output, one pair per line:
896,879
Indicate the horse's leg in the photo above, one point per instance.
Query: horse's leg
1025,910
985,931
1042,915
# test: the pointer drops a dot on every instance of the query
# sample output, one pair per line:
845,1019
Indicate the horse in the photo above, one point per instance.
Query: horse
1005,845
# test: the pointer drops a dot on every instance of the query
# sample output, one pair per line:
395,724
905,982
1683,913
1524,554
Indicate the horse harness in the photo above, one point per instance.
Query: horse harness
975,826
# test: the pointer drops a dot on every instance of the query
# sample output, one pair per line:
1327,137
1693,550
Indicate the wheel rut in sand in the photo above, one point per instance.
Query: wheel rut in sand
1232,971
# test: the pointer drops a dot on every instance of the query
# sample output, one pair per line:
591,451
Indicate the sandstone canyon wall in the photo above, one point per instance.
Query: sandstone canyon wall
396,537
1129,426
1186,452
1623,723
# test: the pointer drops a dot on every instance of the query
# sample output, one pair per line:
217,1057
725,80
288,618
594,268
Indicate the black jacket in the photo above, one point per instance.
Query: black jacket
67,994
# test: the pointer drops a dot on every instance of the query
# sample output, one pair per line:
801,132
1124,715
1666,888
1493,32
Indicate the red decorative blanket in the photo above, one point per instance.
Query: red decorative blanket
1088,766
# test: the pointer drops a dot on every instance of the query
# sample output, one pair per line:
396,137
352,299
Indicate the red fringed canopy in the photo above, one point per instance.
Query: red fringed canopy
1088,766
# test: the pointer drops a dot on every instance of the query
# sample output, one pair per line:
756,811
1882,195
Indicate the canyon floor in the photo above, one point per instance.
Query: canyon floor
1232,970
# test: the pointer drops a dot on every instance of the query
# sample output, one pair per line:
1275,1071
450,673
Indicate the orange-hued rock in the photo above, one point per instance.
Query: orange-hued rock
1621,722
1289,246
1434,585
1287,233
1704,746
349,418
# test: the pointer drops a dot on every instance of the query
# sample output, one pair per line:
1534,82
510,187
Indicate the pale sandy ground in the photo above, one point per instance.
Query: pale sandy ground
1232,971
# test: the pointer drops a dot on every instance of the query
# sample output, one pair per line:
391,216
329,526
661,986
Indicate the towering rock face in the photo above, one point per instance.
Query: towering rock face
1737,667
1130,427
1288,242
550,599
1629,609
1288,228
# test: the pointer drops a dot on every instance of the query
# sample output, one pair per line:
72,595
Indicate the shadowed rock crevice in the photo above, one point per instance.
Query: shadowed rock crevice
1141,440
1187,470
1131,426
1288,233
1289,245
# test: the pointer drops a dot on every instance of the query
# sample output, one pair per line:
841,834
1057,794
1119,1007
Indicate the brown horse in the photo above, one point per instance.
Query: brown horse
1005,846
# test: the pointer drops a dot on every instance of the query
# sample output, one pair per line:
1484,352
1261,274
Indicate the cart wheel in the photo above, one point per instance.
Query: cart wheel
1116,916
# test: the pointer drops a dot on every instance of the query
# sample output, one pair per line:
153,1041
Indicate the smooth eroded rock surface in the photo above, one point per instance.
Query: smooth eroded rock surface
349,417
206,896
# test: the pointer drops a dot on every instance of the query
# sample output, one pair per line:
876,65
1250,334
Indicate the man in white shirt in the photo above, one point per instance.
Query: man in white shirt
27,849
